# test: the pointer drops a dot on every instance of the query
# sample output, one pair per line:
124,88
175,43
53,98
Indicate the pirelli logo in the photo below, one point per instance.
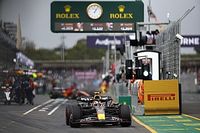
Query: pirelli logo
161,97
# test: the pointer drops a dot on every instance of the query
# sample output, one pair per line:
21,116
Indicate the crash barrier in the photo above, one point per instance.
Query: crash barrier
161,97
126,100
120,94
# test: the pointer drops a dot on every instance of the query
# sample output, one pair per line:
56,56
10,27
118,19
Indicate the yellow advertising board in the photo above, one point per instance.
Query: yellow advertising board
161,97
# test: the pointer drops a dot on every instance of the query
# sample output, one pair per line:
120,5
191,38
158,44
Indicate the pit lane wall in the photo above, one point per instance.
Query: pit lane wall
149,97
118,89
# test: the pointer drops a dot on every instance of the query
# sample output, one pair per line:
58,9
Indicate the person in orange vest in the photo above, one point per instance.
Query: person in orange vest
141,92
133,77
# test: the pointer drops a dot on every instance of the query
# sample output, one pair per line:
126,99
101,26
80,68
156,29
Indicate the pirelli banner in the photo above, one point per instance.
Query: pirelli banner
161,97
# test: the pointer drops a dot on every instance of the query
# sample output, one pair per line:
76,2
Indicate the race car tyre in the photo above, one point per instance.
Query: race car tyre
125,115
52,96
7,102
68,113
75,116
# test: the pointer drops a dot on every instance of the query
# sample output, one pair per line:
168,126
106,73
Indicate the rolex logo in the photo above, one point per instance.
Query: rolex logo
67,8
121,14
67,14
121,8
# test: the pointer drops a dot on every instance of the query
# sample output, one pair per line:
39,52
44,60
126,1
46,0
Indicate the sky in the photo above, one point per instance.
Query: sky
35,19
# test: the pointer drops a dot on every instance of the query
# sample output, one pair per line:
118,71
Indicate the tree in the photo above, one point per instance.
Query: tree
29,45
197,49
81,51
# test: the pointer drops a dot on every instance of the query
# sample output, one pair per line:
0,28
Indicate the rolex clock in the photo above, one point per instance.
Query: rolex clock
94,11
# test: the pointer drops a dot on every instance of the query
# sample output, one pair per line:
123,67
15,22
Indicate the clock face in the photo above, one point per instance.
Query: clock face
94,11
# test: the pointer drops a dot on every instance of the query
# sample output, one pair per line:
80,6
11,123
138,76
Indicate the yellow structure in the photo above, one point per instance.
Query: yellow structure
161,97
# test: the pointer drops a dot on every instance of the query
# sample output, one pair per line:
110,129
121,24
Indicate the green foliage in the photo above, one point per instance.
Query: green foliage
29,45
190,56
81,51
197,49
78,52
42,54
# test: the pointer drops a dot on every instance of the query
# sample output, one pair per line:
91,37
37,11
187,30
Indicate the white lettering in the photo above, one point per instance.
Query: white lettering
97,28
107,42
196,41
190,41
126,28
67,28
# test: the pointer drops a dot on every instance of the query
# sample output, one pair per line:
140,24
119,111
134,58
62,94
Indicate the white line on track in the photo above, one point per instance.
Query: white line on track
52,111
42,110
27,112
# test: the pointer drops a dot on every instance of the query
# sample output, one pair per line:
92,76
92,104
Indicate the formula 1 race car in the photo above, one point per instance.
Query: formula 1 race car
6,93
97,110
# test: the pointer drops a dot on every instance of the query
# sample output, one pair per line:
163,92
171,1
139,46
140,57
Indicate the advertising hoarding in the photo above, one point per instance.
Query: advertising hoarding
87,16
104,41
161,97
190,41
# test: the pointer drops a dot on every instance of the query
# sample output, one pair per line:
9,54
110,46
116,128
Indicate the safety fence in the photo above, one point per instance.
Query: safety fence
169,45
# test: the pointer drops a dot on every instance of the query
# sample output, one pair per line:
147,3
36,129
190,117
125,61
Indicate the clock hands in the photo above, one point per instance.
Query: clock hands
95,9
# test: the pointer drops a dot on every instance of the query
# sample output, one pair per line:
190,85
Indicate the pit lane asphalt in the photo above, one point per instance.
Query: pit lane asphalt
191,104
13,119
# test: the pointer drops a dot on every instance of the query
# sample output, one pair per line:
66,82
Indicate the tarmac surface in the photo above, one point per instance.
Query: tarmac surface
47,116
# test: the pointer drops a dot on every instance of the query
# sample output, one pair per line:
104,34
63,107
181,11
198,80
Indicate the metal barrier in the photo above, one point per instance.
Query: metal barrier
118,89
